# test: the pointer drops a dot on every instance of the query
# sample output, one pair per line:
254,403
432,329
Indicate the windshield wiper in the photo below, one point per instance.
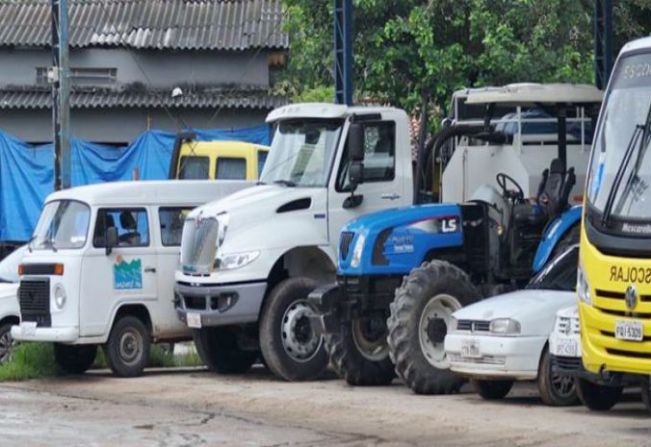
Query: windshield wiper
288,183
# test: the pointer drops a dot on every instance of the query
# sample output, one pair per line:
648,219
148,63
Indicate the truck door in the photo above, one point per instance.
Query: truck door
127,275
384,176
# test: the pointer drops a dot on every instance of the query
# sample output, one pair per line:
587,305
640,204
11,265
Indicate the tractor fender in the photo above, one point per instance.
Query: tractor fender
553,234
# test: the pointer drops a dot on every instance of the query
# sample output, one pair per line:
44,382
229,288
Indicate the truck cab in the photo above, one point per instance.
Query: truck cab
99,270
250,260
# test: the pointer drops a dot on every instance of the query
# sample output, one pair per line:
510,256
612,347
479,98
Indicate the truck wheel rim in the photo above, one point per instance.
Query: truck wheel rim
300,341
563,385
6,345
432,327
130,347
370,342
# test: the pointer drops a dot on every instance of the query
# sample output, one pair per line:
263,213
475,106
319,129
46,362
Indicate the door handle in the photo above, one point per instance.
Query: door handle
390,196
150,269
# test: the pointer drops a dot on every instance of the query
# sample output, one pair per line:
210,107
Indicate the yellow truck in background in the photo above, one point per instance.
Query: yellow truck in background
223,160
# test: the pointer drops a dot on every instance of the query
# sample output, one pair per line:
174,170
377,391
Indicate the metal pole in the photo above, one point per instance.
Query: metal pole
343,47
603,41
60,94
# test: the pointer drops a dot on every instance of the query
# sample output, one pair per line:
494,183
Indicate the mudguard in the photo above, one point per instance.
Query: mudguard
553,234
393,242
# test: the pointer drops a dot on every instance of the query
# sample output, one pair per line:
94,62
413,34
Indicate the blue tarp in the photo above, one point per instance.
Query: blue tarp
26,171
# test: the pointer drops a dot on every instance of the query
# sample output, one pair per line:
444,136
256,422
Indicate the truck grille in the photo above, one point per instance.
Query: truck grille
473,325
344,243
567,365
34,300
199,245
567,325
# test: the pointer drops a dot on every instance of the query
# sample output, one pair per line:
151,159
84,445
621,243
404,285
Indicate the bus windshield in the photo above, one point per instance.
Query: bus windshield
620,170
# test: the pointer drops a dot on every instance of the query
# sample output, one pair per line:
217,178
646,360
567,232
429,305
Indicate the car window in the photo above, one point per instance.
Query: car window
171,224
560,272
262,158
193,167
231,168
131,225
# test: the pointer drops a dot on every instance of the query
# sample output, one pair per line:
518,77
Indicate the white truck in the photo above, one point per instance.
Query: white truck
249,261
100,270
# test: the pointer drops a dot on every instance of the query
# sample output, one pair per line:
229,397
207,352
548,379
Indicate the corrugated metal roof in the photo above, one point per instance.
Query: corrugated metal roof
153,24
40,99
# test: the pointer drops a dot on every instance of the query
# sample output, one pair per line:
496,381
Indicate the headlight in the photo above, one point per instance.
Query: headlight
59,296
235,260
582,286
505,326
357,251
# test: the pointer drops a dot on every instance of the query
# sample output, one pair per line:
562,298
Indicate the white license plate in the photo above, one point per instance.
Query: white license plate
629,330
28,328
194,320
566,348
470,349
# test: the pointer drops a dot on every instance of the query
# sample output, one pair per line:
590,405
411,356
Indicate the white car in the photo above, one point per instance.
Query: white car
9,310
503,339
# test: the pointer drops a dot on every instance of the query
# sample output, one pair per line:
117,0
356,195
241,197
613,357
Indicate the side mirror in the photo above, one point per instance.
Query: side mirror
356,142
356,174
446,122
111,239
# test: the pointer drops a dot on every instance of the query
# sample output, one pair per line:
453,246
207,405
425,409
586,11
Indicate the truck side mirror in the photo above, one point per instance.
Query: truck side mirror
356,174
110,239
356,142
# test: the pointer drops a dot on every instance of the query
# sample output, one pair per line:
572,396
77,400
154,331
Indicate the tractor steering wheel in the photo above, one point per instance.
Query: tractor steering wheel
517,195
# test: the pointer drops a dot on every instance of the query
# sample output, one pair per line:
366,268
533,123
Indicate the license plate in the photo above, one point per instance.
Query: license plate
194,320
470,349
566,348
629,330
28,328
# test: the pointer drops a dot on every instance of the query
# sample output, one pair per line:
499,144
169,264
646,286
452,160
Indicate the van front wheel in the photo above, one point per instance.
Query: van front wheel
74,359
127,349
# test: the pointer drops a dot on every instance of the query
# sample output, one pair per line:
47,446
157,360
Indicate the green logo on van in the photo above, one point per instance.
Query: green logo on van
127,275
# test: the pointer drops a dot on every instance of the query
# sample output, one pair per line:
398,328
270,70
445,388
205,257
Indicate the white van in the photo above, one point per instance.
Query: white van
100,270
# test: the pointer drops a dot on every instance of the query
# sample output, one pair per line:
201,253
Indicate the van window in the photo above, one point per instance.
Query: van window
193,167
262,158
131,223
229,168
171,224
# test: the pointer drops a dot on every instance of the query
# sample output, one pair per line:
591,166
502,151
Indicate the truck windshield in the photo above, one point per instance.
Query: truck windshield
620,170
301,152
63,225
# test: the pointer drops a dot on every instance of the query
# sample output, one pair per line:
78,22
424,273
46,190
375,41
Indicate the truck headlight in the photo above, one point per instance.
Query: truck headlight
235,260
505,326
357,251
582,286
60,296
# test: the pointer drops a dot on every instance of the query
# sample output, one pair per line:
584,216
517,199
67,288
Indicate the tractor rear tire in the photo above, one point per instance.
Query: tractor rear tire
420,313
597,397
218,349
492,389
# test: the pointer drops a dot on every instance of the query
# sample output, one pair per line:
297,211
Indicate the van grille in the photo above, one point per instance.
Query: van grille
34,300
199,245
344,243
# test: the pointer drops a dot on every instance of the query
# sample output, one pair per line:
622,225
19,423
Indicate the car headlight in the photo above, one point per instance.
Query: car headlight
582,286
235,260
505,326
59,296
357,251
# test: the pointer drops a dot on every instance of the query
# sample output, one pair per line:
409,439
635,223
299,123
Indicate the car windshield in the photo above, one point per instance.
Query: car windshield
560,272
620,158
63,225
301,152
9,265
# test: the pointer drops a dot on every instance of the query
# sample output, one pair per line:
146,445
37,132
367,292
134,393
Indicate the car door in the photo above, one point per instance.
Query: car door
126,275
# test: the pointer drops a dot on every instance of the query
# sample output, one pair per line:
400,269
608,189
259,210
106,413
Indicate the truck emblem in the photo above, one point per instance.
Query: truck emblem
631,297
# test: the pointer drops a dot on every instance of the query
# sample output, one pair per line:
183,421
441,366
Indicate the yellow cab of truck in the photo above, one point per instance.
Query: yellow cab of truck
614,279
223,160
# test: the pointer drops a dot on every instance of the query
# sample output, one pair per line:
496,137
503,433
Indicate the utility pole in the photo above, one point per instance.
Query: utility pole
59,75
603,41
343,43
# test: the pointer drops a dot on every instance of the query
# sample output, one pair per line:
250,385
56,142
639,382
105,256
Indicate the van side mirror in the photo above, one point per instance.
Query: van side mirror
111,239
356,142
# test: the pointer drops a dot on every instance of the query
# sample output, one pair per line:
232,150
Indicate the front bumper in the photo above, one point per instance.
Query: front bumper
27,332
220,304
514,358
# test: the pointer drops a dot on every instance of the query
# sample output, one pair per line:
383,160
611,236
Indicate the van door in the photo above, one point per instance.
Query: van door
127,275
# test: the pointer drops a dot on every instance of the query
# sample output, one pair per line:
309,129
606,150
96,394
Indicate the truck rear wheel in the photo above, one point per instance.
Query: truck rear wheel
556,390
359,352
420,315
597,397
220,352
127,348
492,389
74,359
292,348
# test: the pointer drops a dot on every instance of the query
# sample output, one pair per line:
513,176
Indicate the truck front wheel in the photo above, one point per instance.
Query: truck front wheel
359,352
492,389
597,397
220,351
74,359
127,348
420,315
292,348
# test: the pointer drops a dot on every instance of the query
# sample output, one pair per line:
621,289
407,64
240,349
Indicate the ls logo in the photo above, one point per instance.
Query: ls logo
449,225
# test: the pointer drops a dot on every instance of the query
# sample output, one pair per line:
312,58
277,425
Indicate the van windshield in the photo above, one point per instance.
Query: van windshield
63,225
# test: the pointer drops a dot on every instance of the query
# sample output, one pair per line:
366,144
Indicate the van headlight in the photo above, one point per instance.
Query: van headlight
357,251
60,296
504,326
235,260
582,286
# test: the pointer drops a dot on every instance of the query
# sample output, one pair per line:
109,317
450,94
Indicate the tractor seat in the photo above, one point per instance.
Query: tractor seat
555,188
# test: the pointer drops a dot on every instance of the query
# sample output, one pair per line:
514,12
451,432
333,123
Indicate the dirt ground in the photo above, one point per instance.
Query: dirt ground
195,407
